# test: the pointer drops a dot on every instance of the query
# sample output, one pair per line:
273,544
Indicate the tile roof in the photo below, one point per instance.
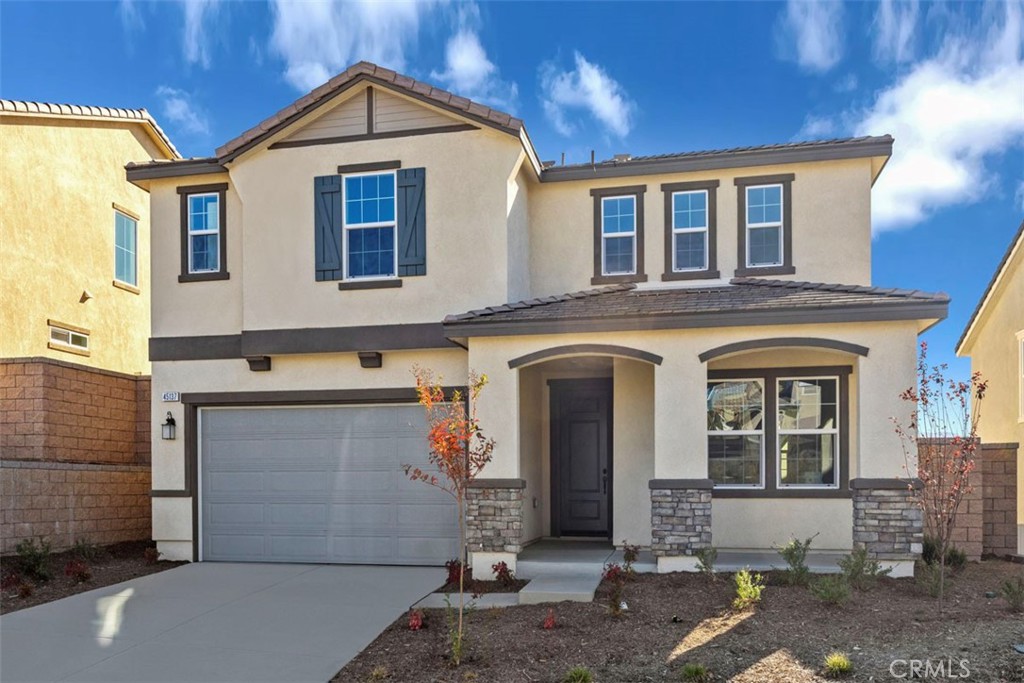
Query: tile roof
370,70
29,108
1017,241
742,295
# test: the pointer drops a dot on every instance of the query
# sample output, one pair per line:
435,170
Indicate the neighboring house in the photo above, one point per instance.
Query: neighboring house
74,322
673,369
994,340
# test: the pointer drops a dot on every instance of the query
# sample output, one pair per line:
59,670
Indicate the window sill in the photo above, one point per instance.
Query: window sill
126,287
617,279
767,270
779,493
203,277
691,275
348,285
68,349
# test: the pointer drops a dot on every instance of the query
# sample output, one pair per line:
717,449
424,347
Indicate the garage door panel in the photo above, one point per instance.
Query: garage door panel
320,485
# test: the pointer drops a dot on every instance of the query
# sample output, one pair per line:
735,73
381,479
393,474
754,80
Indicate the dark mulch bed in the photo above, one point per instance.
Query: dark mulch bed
113,564
674,619
485,587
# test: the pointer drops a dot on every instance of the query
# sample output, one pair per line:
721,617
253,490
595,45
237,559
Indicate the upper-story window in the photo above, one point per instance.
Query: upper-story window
765,225
203,233
125,249
690,230
370,225
618,234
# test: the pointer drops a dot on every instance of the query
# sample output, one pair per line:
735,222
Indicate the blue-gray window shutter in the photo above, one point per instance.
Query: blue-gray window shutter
327,226
412,221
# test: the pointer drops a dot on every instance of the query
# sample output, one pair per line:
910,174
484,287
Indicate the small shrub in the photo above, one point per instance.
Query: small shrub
837,665
549,620
35,559
151,555
795,555
1013,592
860,571
454,567
832,589
415,620
86,550
25,589
615,575
380,673
956,559
630,554
694,673
748,589
706,558
10,581
578,674
77,570
503,574
929,578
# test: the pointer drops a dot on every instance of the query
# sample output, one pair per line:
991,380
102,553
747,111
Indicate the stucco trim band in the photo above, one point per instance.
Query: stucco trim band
594,349
776,342
681,484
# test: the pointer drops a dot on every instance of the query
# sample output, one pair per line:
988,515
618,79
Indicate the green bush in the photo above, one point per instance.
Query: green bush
706,558
748,589
929,578
861,572
832,589
837,665
1013,593
956,559
694,673
35,559
578,674
86,550
795,555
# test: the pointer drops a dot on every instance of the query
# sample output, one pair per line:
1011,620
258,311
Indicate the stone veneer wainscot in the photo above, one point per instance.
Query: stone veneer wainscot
680,516
494,515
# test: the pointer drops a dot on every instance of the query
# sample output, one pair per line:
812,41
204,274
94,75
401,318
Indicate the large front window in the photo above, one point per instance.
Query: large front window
690,230
370,225
736,432
764,225
618,235
204,233
808,414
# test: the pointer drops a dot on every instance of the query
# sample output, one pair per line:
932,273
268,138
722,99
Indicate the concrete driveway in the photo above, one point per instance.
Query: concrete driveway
212,622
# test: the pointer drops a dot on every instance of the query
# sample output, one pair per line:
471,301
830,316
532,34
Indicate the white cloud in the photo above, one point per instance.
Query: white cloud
131,20
810,33
319,39
847,83
199,15
893,30
817,128
184,115
587,87
468,72
950,114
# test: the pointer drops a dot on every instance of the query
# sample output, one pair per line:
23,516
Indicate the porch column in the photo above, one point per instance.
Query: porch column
494,503
888,522
680,522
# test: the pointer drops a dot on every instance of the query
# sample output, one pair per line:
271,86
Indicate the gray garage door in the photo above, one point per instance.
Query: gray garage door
320,485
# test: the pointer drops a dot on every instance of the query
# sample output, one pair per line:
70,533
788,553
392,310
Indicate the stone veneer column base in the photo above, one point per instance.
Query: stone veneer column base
680,522
494,523
888,521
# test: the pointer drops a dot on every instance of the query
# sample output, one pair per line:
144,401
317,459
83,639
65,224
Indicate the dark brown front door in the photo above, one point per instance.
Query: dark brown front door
581,444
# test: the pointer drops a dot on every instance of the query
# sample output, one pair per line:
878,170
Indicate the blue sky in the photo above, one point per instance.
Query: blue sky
946,79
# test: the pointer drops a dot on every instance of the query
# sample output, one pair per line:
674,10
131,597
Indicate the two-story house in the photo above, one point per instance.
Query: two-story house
683,350
74,322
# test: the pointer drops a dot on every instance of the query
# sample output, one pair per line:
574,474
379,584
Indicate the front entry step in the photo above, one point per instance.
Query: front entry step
559,586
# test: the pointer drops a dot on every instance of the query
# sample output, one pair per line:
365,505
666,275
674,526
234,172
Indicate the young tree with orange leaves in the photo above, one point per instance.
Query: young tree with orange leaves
459,450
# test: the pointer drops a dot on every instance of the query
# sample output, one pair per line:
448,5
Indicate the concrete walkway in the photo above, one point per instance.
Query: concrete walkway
213,623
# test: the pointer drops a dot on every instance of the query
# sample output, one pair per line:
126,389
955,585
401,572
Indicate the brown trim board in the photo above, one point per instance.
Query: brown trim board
639,274
711,187
174,169
409,132
372,166
222,273
214,347
570,349
777,342
786,181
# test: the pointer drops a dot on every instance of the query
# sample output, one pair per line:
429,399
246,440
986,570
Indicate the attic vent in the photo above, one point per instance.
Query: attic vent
622,157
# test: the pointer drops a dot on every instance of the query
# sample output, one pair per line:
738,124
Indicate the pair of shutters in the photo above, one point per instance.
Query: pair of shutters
411,221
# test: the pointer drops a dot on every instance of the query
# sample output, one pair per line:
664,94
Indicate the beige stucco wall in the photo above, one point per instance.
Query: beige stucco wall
751,524
831,215
59,179
632,451
994,350
172,517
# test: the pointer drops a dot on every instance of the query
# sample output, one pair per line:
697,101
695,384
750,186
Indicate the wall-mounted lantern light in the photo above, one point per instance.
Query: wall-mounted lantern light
167,429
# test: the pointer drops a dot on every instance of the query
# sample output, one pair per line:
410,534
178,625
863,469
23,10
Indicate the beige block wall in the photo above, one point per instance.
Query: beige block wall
59,182
831,216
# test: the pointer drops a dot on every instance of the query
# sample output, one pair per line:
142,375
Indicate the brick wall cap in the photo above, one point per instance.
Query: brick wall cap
893,484
497,484
702,484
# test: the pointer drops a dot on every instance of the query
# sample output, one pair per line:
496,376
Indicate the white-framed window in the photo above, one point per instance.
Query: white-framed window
764,225
807,442
125,249
72,339
1020,376
690,230
370,226
618,235
736,436
204,232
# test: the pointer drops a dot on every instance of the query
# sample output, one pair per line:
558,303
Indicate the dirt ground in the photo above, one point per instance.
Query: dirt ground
114,564
675,619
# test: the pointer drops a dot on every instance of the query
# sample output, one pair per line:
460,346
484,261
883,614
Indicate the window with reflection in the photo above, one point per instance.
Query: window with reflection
736,432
